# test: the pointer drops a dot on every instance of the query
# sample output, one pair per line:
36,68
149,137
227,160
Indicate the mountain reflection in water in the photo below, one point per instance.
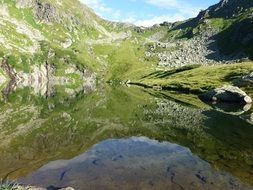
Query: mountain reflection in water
134,163
36,129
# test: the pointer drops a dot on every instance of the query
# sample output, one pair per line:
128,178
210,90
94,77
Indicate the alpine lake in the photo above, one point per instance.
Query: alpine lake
119,137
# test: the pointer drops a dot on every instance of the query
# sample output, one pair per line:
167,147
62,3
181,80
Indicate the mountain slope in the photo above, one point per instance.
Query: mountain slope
227,9
239,33
220,35
32,27
68,34
60,35
231,21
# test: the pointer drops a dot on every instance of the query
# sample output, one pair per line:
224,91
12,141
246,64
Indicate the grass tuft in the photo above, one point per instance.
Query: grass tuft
8,185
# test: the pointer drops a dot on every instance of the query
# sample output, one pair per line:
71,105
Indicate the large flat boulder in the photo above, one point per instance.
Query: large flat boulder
40,188
226,93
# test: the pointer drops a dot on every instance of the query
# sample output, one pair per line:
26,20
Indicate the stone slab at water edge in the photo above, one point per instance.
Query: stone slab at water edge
40,188
226,94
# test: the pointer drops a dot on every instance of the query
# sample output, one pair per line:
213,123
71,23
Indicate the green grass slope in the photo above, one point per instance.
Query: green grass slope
197,79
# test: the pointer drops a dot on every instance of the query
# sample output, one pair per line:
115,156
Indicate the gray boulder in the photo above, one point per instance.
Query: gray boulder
226,94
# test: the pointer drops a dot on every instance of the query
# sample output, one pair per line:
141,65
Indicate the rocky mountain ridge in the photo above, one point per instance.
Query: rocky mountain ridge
226,8
205,39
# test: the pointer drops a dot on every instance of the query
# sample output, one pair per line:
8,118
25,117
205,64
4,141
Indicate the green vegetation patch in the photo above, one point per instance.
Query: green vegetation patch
198,79
7,185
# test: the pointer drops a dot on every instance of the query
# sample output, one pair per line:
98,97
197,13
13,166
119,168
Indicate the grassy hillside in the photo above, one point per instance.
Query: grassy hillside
235,29
197,79
29,33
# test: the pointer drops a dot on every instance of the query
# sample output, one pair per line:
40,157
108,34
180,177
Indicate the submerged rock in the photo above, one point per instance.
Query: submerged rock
226,94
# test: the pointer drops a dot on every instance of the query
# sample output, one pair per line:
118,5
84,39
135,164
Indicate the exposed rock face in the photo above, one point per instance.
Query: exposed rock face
227,94
42,79
48,13
226,8
45,12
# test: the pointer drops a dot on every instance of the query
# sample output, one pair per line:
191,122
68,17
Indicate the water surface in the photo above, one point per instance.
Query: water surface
134,163
37,130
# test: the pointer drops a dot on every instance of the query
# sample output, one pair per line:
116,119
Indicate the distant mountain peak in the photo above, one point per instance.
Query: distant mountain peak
227,8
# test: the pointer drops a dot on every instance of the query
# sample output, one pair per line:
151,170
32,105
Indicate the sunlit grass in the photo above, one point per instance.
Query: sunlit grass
198,79
8,185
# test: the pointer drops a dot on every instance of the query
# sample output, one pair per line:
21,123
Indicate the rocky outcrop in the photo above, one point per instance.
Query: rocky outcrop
43,11
226,94
42,79
48,13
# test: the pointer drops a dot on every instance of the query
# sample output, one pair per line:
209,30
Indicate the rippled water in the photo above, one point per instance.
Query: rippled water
125,138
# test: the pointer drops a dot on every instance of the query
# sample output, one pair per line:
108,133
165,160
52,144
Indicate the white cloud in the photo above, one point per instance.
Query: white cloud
155,20
101,9
181,10
97,5
181,6
164,3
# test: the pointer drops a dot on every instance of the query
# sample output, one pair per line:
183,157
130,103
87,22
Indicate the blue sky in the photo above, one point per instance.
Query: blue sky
148,12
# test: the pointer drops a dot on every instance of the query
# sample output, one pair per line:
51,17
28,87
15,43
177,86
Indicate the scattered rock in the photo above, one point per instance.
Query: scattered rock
201,49
226,94
183,52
